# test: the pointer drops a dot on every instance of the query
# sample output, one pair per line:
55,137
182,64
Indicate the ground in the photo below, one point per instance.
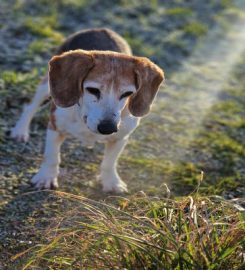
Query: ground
195,132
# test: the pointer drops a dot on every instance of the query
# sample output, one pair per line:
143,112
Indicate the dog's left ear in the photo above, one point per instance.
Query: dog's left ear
148,79
66,74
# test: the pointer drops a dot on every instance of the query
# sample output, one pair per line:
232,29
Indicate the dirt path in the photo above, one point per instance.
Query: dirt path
169,136
198,85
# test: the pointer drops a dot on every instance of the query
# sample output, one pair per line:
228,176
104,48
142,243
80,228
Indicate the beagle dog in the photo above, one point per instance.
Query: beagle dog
99,92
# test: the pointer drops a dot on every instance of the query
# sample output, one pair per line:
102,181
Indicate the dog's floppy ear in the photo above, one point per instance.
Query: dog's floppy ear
148,79
66,74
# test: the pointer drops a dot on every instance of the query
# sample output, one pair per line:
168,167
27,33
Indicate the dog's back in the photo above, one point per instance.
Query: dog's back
100,39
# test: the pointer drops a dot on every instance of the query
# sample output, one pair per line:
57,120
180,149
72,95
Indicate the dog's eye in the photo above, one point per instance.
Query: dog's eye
126,94
94,91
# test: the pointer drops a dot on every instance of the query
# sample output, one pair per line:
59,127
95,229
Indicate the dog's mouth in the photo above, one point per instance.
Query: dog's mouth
85,120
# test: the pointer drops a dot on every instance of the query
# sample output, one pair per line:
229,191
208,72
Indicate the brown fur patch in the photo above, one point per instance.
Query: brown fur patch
149,77
112,69
52,119
69,70
66,73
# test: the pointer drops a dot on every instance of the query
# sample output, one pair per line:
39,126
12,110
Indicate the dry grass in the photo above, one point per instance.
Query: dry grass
141,232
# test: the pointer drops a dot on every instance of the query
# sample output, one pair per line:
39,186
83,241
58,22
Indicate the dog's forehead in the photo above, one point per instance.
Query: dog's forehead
113,68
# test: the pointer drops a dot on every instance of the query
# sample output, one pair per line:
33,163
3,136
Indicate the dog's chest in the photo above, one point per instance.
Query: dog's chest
68,122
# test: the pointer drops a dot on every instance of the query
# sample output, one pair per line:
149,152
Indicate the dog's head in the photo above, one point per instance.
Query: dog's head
102,84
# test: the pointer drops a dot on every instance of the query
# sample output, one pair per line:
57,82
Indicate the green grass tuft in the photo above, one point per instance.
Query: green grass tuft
38,47
195,29
142,233
179,11
44,28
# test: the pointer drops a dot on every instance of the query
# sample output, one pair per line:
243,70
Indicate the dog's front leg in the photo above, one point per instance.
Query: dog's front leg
21,129
48,173
109,177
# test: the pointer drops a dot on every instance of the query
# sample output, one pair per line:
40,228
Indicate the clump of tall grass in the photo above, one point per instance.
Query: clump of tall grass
141,232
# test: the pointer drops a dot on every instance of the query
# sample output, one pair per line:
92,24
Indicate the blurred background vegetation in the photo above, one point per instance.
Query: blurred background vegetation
165,31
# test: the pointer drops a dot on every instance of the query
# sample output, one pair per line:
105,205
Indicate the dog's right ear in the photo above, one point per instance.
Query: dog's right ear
66,74
148,79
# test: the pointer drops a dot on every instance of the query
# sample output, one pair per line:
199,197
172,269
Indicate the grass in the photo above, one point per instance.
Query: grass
43,27
195,29
179,11
38,47
141,232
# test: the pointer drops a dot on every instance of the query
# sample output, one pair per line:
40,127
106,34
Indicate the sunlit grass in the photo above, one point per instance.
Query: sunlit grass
179,11
195,29
43,27
141,232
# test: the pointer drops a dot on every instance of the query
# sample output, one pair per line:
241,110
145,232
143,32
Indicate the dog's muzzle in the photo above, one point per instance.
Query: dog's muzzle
107,127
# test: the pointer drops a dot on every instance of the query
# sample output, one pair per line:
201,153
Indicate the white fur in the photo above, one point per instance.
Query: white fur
20,131
70,121
109,177
48,173
107,107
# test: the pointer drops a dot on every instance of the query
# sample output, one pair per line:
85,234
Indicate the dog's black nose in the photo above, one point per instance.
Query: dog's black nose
107,127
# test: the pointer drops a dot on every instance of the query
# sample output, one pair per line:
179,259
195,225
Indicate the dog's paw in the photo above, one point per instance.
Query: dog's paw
19,133
44,181
113,183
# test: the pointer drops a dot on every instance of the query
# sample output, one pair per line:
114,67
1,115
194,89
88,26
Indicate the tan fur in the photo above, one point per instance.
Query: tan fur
149,77
68,71
112,68
52,118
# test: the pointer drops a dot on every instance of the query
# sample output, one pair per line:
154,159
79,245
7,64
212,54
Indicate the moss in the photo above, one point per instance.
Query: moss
195,29
75,3
138,45
179,11
38,46
227,3
9,77
222,144
175,40
92,167
41,27
13,79
152,165
230,183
